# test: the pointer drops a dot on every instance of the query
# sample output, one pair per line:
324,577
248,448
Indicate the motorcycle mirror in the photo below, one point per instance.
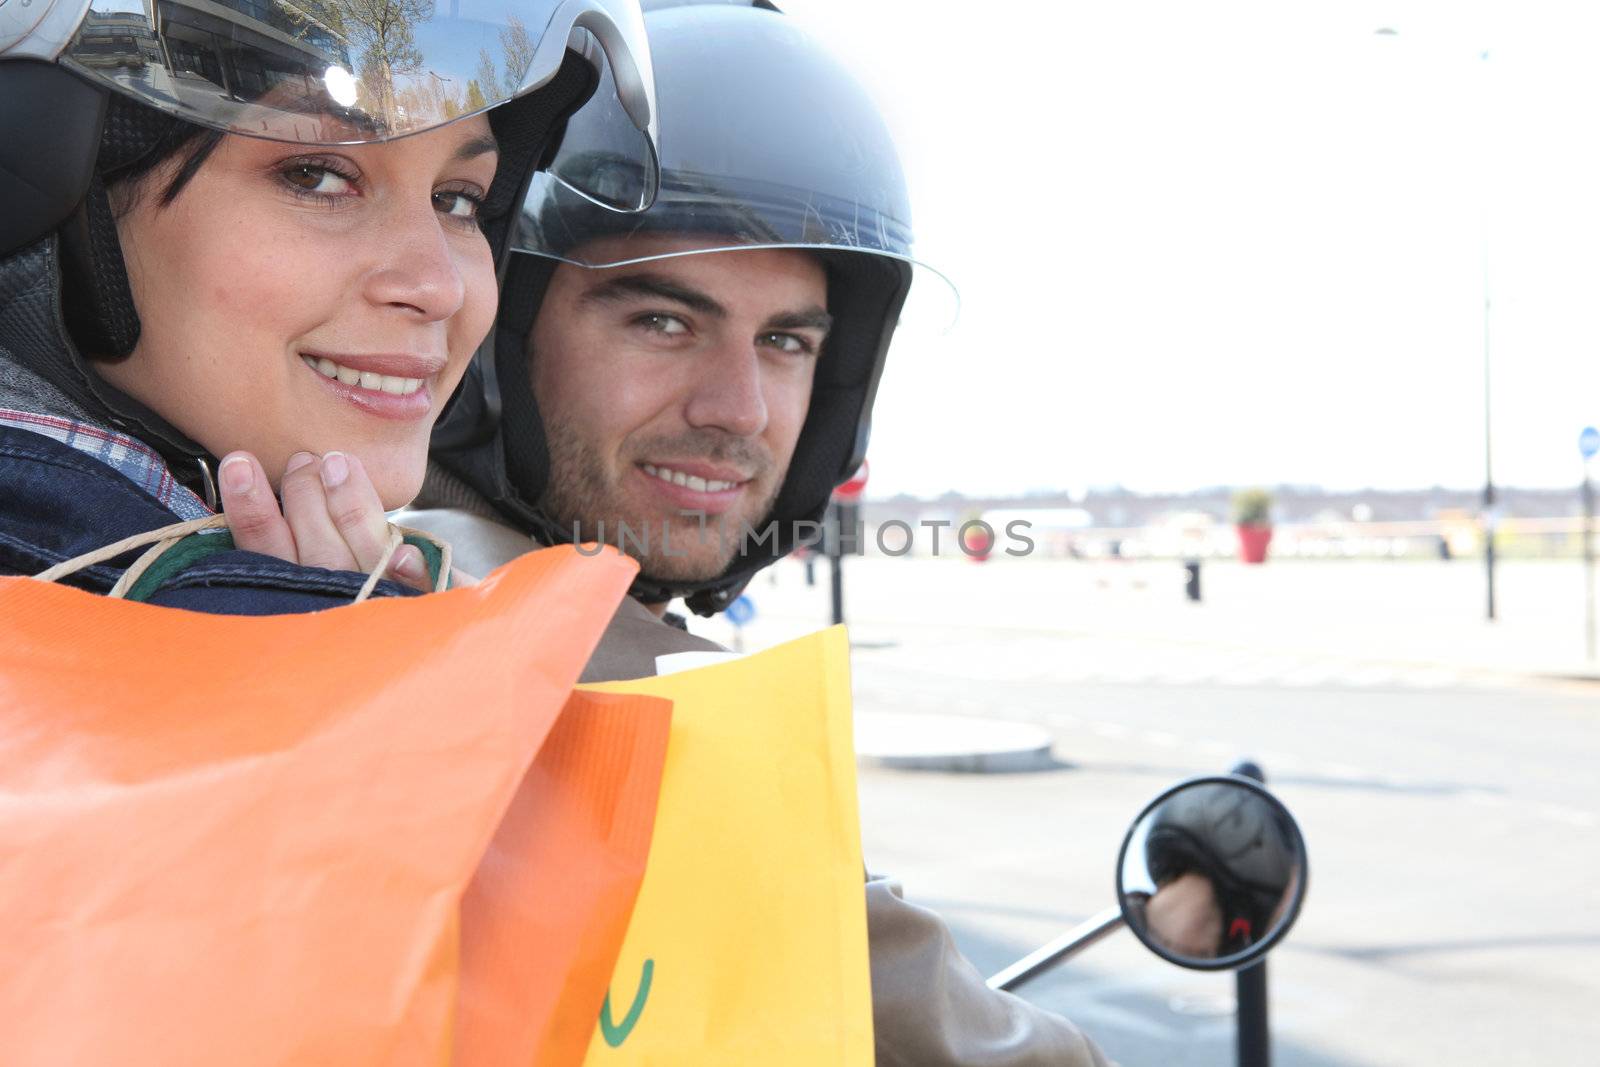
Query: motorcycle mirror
1212,873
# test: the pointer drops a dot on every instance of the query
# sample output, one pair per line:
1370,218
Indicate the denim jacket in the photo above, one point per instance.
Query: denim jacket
59,501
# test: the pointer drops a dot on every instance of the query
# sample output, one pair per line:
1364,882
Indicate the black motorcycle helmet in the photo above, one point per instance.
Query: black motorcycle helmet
1237,840
92,94
767,141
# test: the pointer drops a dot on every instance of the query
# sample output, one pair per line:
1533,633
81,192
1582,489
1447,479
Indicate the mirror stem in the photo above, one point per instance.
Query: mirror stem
1254,1039
1068,944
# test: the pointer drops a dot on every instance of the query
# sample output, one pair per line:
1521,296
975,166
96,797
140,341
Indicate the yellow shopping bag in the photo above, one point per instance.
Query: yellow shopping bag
748,942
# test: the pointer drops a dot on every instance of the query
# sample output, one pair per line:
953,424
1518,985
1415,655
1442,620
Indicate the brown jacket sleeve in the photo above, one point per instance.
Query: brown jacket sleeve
632,641
931,1007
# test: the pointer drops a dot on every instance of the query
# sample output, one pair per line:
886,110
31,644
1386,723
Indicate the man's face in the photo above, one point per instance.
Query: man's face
673,386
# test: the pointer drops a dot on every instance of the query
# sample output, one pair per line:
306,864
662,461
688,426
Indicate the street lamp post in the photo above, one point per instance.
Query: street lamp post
1488,450
1489,515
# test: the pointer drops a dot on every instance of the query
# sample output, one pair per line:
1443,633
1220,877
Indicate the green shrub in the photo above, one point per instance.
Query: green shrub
1252,507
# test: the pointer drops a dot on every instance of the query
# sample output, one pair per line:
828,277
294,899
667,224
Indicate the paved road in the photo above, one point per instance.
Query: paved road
1453,915
1450,800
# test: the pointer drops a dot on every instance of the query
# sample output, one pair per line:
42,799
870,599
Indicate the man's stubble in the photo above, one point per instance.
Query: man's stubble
580,496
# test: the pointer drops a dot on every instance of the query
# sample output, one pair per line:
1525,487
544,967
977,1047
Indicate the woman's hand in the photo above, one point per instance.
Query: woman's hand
331,516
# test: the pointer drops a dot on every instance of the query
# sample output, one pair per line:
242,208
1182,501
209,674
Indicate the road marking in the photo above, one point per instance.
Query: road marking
1254,670
1431,677
1203,1004
1569,816
1307,675
1370,676
1123,661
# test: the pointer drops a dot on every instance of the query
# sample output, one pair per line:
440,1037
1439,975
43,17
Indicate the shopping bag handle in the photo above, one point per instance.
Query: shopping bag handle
162,539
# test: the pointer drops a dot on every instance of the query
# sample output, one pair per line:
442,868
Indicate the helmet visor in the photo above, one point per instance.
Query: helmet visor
333,72
558,224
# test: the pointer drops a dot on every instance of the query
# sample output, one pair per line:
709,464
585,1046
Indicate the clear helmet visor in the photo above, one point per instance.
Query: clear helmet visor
932,303
335,72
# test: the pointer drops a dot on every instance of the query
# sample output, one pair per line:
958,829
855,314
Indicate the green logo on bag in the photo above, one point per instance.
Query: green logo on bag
616,1034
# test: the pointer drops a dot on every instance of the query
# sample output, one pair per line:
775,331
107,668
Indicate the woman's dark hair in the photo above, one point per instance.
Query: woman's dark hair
201,143
137,140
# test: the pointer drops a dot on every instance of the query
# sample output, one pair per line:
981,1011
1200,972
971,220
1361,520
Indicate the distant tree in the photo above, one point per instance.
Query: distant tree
517,46
488,79
380,33
431,98
475,100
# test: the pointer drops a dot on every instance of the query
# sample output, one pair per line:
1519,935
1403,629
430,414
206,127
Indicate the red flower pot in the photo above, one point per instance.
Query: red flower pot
1253,542
977,545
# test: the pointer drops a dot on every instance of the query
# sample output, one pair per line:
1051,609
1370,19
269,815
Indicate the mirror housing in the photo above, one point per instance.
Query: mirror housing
1212,873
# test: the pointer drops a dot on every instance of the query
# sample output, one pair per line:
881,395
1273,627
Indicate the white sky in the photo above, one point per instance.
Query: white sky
1223,243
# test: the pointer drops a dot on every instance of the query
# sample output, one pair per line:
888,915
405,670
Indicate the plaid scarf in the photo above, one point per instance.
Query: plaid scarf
129,457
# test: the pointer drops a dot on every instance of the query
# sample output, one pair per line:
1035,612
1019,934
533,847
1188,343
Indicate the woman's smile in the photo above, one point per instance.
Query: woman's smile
388,386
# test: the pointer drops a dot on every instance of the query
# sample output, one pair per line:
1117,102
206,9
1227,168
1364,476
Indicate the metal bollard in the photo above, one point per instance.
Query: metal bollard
1191,583
1250,983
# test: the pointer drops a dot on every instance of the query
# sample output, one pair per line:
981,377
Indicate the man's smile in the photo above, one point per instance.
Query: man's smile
700,478
694,487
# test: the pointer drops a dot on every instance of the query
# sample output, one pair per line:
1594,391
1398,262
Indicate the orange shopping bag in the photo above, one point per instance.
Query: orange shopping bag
247,840
579,829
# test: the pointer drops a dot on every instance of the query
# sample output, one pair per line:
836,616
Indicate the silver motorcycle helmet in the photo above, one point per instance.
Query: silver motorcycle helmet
95,91
316,72
767,141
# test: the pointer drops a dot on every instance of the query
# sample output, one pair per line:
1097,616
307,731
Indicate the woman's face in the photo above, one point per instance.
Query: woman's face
308,299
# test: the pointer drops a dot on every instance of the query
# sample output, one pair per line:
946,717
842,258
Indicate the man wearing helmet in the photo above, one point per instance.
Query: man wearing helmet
652,456
691,383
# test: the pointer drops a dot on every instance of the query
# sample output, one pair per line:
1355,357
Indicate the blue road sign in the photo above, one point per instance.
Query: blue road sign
1589,441
740,611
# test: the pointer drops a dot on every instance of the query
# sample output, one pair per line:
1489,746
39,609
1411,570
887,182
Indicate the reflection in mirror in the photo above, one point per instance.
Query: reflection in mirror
1212,873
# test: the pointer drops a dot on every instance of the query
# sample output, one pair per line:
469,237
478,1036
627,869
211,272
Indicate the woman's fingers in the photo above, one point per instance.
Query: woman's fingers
355,509
331,516
305,506
410,568
339,522
252,509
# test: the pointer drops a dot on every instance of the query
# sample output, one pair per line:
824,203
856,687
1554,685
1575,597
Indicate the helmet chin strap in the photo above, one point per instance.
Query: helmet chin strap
705,599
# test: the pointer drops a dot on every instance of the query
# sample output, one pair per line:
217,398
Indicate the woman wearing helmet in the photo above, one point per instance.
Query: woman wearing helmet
249,250
736,332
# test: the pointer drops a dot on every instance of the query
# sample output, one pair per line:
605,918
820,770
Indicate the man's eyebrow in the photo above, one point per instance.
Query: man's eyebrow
811,318
628,286
478,146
